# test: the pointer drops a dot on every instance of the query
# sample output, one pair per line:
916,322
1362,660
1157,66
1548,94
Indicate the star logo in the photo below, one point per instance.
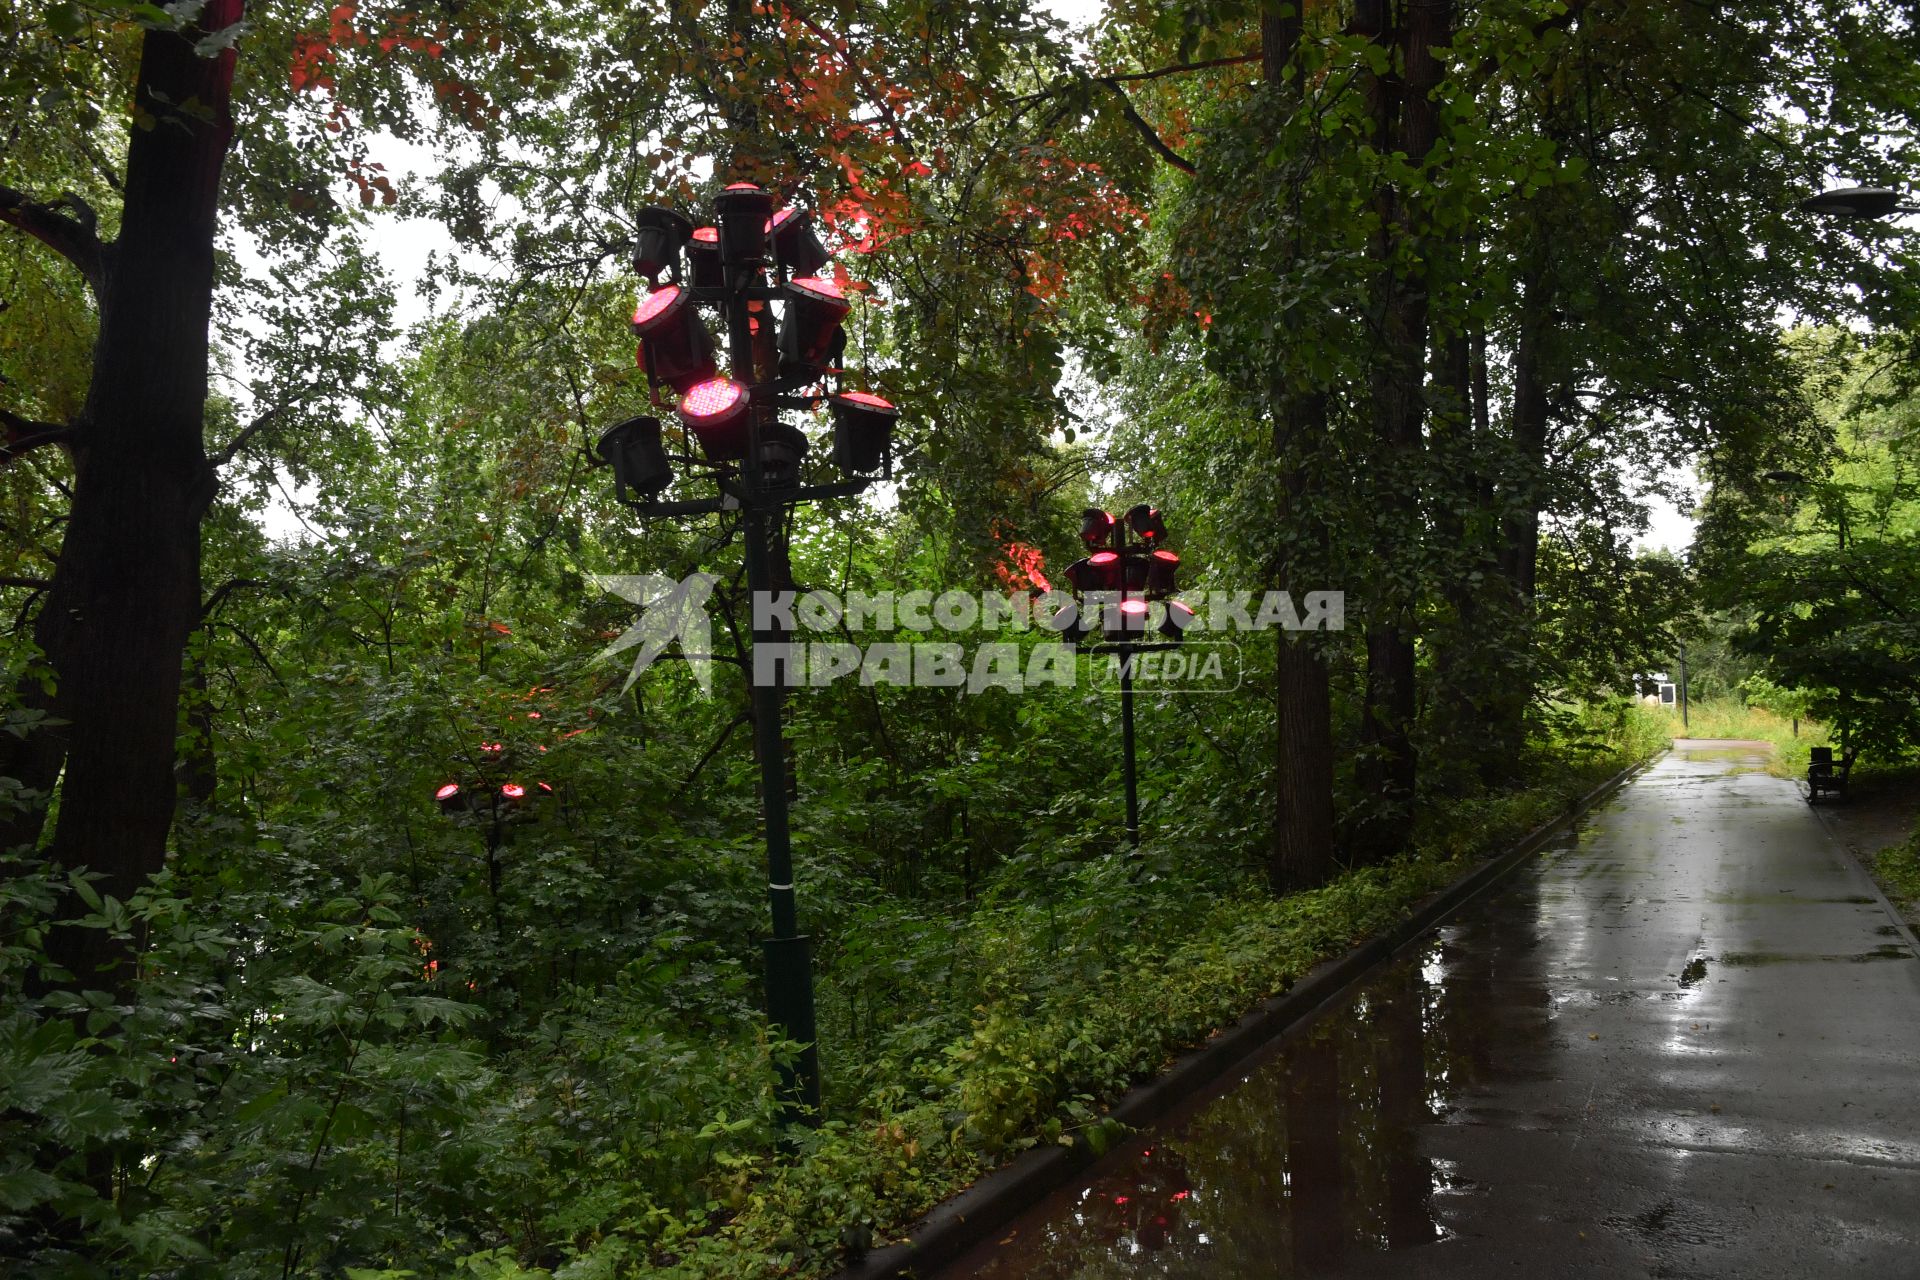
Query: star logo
669,611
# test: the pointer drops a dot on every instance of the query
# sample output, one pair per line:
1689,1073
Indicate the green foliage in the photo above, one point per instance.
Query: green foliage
1899,869
1823,562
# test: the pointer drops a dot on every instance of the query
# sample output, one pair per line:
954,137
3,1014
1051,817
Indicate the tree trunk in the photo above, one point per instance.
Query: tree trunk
1303,835
126,592
1406,118
1302,852
1520,557
1520,505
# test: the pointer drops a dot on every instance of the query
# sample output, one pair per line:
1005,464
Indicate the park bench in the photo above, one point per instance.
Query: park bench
1827,776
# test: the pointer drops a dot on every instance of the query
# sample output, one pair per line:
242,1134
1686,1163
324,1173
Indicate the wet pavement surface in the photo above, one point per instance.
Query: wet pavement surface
1684,1042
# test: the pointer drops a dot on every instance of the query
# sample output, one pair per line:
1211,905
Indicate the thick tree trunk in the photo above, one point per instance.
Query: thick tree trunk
1520,556
126,593
1520,504
1303,832
1407,119
1303,837
1472,658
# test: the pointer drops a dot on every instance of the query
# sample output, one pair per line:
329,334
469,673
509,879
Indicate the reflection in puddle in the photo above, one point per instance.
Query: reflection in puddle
1318,1153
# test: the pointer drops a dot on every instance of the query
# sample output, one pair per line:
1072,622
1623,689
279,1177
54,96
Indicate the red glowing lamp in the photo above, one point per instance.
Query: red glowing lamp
1097,572
675,346
1126,620
716,412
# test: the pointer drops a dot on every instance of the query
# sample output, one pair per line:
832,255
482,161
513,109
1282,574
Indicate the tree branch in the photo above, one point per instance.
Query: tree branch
258,655
226,589
38,584
71,235
23,435
713,750
1147,131
254,428
1183,68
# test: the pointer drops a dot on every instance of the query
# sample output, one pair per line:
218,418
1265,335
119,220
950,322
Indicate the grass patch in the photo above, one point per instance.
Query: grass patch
1899,870
1731,718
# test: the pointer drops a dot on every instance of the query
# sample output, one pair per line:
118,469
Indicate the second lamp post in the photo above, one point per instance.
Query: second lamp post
1128,568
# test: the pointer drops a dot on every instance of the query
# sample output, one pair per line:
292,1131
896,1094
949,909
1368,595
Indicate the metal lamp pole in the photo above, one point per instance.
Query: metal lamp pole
1154,580
761,480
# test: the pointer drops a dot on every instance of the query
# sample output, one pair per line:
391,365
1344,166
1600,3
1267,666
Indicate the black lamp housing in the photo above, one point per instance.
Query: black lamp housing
703,259
1855,202
782,448
811,333
1097,572
1095,526
744,211
1177,619
659,235
1147,524
862,431
1163,568
796,245
1070,622
634,450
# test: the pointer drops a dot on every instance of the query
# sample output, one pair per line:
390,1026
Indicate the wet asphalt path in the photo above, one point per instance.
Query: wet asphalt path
1685,1042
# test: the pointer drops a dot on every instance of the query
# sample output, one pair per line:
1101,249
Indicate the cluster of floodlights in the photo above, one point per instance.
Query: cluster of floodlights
716,265
483,796
1128,576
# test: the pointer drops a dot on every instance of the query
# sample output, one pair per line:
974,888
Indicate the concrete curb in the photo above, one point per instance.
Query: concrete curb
957,1224
1864,861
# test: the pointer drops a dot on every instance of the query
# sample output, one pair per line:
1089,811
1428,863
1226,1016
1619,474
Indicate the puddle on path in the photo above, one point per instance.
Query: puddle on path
1317,1154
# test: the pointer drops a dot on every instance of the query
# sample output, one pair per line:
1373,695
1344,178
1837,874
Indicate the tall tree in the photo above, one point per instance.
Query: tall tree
126,590
1303,827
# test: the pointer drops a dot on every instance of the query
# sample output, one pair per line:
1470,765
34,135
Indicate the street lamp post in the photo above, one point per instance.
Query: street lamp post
1122,576
751,258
